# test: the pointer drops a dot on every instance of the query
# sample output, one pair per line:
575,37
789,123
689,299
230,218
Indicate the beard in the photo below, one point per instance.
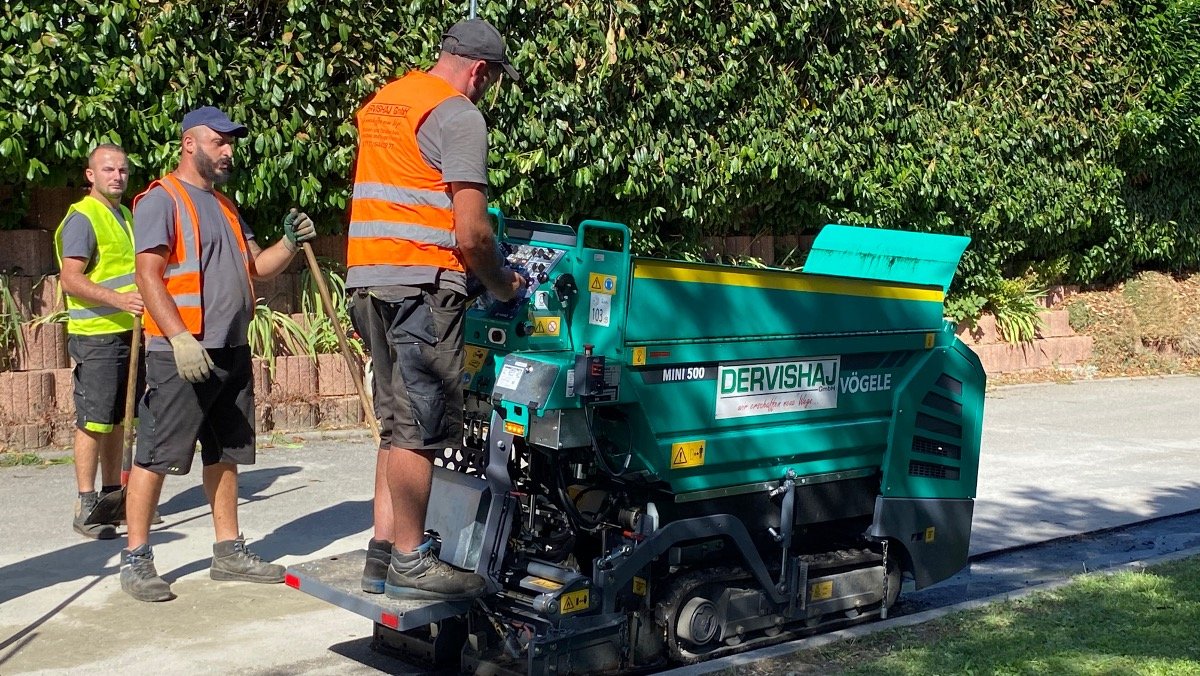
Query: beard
216,171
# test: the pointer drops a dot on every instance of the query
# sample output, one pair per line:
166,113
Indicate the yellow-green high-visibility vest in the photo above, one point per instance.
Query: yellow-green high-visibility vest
113,268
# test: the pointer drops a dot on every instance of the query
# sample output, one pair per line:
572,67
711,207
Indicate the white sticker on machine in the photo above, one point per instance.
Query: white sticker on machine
510,376
771,388
601,309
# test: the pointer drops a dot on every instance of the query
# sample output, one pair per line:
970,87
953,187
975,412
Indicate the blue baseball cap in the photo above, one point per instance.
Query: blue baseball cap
214,119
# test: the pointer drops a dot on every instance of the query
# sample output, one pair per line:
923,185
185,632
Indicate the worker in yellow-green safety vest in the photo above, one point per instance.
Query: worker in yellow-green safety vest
94,247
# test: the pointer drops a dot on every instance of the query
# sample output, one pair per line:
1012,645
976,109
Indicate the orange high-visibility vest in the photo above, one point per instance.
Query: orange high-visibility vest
401,213
182,276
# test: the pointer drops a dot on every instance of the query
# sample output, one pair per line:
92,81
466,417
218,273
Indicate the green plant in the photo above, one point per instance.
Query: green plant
1080,315
320,330
59,317
271,329
11,339
1016,303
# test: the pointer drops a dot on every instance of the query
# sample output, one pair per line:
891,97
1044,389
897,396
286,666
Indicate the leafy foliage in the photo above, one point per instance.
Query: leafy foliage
320,331
1066,130
11,339
271,329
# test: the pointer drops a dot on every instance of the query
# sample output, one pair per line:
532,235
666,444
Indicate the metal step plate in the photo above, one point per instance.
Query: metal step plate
338,580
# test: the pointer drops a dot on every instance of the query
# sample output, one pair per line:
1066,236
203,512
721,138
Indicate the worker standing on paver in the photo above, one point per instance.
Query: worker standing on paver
418,221
94,246
195,262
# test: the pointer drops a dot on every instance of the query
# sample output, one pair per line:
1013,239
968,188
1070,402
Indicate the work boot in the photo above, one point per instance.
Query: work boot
139,579
83,509
379,554
233,562
421,575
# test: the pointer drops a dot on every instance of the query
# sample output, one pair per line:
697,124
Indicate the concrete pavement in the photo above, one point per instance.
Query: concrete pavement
1057,459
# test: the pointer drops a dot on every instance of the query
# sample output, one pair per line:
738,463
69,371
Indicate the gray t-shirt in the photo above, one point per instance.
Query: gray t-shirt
228,305
79,237
453,140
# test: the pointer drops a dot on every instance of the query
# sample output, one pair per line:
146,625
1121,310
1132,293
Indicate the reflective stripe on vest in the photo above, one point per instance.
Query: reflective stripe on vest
182,275
112,268
401,213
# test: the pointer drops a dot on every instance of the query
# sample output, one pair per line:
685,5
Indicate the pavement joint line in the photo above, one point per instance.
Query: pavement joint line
791,647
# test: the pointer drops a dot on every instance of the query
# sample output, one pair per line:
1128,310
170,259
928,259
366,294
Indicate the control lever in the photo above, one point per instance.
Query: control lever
565,287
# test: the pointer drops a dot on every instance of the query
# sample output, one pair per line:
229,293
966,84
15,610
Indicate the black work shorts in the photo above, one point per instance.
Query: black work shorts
101,376
416,347
175,414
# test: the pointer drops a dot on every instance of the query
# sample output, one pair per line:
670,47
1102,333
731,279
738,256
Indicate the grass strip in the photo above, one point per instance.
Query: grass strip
1132,622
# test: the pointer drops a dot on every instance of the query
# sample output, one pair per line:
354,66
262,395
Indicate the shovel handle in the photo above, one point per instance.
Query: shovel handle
351,362
131,381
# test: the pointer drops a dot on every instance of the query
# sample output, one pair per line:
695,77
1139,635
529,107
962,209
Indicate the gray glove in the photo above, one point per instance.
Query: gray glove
191,359
298,227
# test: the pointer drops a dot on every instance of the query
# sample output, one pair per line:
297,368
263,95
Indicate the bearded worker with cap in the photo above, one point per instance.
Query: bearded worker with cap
418,223
196,259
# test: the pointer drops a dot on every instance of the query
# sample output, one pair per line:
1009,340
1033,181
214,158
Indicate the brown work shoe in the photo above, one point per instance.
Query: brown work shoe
139,579
421,575
233,562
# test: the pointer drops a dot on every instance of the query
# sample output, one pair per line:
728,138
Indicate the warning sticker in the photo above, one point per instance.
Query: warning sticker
547,326
474,359
639,356
598,283
543,583
574,602
820,591
601,310
639,586
687,454
930,534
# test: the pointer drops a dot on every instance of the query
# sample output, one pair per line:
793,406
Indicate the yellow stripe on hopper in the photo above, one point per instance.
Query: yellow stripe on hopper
783,281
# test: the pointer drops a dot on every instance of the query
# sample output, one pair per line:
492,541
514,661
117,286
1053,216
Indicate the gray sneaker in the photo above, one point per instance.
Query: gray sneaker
139,579
84,505
421,575
233,562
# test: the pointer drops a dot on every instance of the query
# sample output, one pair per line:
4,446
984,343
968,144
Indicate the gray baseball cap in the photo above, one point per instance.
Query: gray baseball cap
478,39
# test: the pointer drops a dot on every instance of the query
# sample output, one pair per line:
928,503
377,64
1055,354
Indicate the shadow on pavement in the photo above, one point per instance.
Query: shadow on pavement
251,483
301,536
1040,511
87,559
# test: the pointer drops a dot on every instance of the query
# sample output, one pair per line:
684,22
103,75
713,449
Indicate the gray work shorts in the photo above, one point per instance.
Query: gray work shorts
416,346
100,375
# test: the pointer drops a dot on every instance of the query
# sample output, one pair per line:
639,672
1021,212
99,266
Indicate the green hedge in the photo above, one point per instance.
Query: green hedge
1060,134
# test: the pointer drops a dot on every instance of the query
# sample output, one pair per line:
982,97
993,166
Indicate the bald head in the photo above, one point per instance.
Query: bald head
108,172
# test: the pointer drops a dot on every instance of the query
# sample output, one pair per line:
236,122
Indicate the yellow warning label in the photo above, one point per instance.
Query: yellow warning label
598,283
820,591
543,583
639,586
929,340
930,534
547,326
687,454
574,602
475,358
515,429
639,356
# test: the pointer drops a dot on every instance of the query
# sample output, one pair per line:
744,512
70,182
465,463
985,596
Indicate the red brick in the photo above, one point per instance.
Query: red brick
279,293
340,411
26,395
983,333
46,297
334,377
45,347
762,247
260,370
1041,353
21,288
1055,324
25,437
64,391
262,416
27,252
331,247
295,379
48,206
1058,293
294,415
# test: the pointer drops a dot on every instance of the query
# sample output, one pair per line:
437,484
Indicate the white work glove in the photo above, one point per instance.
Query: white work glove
191,359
